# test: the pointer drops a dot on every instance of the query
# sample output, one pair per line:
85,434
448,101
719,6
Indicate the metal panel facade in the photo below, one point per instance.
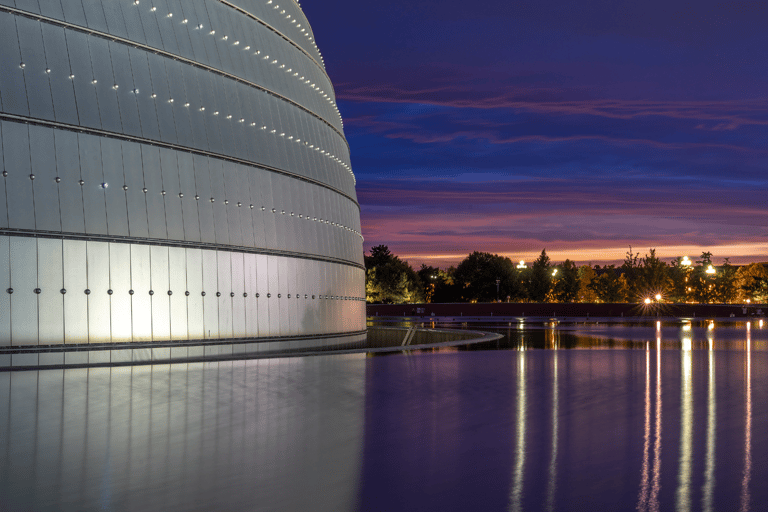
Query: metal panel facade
145,198
5,297
120,284
50,277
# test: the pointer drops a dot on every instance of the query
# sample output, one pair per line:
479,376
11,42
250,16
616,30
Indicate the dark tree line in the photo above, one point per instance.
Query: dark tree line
486,277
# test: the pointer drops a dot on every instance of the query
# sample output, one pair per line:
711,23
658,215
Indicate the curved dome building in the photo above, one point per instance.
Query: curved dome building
172,170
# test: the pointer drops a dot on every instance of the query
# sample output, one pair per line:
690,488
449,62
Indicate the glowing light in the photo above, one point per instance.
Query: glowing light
658,296
522,264
647,300
710,270
685,262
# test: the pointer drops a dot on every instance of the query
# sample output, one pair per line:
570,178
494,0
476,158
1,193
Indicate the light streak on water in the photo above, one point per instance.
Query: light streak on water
683,495
552,483
653,504
642,502
747,475
516,504
709,469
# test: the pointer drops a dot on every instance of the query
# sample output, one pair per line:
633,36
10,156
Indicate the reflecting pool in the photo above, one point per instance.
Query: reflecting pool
651,417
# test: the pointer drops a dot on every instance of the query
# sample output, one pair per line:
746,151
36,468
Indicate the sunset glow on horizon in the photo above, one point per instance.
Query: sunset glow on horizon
582,129
737,254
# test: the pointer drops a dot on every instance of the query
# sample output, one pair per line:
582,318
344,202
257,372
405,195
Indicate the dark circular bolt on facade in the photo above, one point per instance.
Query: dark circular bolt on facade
71,110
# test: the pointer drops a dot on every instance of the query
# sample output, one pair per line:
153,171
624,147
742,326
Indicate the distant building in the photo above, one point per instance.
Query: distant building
172,173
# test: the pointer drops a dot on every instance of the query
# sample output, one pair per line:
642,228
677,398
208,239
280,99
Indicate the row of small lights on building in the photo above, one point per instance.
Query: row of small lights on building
87,291
301,79
297,140
213,200
304,32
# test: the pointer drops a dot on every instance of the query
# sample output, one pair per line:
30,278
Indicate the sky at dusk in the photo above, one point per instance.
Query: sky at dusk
579,127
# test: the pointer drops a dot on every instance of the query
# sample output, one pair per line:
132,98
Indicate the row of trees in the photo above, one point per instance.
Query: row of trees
485,277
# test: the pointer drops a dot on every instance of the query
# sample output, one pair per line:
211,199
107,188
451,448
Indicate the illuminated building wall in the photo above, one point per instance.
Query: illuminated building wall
171,170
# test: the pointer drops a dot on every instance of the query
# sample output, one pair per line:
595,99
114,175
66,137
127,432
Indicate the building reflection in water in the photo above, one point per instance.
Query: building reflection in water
439,430
747,474
213,436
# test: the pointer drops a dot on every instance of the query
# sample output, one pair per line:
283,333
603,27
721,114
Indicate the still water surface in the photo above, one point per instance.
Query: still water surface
567,418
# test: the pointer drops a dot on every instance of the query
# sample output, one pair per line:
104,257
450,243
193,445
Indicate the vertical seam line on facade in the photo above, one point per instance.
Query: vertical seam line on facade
164,53
170,145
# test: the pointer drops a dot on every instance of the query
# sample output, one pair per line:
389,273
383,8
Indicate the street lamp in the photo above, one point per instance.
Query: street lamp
658,297
498,281
710,270
647,300
685,262
554,272
522,264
